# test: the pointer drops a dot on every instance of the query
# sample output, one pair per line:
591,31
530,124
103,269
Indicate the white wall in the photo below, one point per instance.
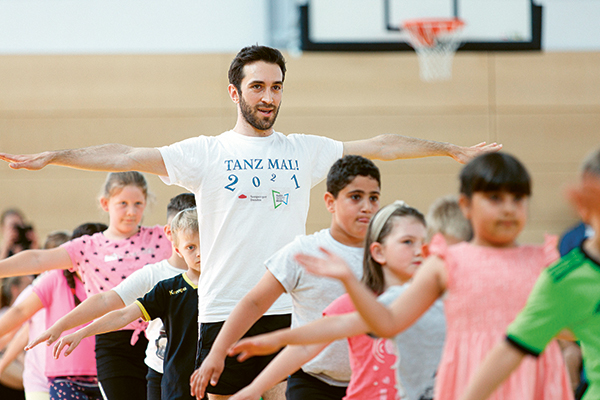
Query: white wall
130,26
198,26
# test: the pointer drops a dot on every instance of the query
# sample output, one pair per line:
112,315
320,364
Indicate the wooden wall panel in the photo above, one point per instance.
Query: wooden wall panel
115,82
382,81
544,108
547,79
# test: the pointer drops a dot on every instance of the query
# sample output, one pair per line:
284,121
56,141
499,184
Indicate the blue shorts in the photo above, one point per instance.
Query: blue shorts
72,387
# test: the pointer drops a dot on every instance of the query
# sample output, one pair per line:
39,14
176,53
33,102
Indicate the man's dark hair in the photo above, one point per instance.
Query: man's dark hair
344,170
179,203
251,54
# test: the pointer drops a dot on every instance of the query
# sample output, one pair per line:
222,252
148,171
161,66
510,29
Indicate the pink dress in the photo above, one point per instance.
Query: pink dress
56,297
486,289
374,361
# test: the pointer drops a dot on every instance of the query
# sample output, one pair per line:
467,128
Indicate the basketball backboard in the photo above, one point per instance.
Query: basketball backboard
364,25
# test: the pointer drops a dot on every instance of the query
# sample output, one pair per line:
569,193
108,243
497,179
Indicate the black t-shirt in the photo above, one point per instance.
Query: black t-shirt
175,302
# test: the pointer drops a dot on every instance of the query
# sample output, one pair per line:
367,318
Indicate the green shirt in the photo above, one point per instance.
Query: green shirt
567,295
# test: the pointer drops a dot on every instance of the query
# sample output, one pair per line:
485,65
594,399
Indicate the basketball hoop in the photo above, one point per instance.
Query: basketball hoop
435,41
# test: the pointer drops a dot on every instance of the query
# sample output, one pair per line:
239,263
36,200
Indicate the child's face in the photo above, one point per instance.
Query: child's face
402,249
125,208
352,209
188,247
497,217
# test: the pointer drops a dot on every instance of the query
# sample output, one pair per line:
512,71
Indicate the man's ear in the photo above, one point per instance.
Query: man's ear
104,203
233,93
329,202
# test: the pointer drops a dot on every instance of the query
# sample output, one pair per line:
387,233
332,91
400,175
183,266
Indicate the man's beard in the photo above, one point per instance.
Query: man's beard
252,117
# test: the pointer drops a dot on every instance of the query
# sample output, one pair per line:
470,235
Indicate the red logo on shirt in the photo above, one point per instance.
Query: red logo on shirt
242,196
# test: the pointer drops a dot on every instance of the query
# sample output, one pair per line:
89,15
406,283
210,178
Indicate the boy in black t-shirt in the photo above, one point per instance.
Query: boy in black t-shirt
174,301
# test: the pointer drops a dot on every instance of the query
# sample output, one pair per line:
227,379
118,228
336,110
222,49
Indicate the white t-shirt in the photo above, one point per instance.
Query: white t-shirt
253,196
311,294
137,285
420,347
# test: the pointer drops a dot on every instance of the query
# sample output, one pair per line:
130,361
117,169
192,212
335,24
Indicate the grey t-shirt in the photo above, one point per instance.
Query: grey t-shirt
420,347
311,294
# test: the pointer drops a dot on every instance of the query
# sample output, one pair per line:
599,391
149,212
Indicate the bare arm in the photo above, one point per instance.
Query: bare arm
107,157
19,314
497,366
393,147
91,308
286,363
31,262
428,285
252,306
15,347
323,330
110,322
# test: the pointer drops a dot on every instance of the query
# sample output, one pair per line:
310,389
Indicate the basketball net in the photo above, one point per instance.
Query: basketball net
435,41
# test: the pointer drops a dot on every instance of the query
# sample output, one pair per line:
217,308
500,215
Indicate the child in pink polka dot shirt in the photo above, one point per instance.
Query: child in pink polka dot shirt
104,260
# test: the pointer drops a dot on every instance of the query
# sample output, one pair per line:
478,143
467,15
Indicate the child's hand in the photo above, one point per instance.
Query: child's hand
72,341
330,266
209,373
260,345
49,336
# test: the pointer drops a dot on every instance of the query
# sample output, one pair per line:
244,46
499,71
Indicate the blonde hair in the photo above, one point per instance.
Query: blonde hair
446,217
116,181
591,163
185,221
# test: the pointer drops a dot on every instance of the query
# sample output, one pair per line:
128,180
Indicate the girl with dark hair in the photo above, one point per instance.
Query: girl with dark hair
485,283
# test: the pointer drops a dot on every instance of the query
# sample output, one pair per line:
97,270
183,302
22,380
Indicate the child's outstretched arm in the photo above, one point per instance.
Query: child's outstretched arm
110,322
14,348
20,313
286,363
31,262
497,366
429,284
321,331
91,308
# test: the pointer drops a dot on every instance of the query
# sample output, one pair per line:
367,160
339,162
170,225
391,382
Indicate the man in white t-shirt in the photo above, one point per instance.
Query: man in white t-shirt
252,184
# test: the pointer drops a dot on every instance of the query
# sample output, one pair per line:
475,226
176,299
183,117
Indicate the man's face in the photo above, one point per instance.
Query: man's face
261,92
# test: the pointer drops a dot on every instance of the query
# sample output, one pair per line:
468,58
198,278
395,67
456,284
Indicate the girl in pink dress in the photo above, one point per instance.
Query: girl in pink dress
104,260
486,283
55,293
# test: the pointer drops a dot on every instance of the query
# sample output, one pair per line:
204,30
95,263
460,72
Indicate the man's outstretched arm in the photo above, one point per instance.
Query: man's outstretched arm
107,157
392,147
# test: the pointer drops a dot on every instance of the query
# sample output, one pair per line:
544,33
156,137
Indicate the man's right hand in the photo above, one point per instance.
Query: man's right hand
209,372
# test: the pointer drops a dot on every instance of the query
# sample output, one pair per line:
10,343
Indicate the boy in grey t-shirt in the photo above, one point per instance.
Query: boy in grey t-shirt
353,189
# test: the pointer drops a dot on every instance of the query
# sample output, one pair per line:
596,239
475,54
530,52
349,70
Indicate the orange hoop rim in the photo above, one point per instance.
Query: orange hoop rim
424,31
448,24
